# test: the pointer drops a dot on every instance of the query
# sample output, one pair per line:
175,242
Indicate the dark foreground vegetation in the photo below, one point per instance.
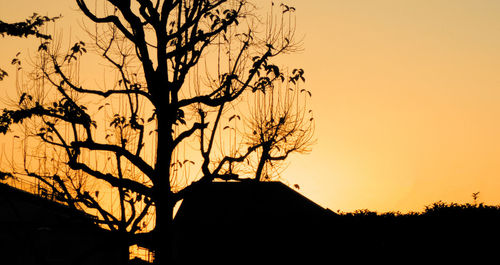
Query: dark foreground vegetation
256,223
268,223
443,231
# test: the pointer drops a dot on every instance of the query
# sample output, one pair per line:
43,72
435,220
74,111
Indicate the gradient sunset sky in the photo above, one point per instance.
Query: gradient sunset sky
406,98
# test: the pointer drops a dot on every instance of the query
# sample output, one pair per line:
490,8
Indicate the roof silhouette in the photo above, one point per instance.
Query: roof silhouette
229,202
36,230
225,221
39,209
270,223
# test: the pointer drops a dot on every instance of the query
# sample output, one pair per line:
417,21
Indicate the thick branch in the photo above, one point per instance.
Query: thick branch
237,159
135,224
151,16
136,160
217,101
185,134
104,94
109,219
112,180
109,19
68,198
137,36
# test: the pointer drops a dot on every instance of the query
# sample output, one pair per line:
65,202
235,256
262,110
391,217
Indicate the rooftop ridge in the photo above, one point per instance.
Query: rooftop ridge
33,197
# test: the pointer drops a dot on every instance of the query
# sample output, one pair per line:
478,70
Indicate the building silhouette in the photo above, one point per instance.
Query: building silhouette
36,230
251,222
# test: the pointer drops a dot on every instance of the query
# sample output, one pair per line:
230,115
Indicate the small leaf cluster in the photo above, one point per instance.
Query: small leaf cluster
27,28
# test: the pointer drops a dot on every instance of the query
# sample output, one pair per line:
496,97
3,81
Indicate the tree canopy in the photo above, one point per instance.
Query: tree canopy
195,96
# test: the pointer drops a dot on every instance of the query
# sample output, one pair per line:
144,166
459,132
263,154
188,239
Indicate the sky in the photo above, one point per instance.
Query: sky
406,102
405,98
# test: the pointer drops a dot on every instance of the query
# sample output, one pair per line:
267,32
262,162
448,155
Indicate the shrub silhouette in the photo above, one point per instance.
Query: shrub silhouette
443,231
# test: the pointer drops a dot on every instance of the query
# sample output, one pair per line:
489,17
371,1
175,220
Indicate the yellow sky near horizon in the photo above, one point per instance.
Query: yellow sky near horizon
405,96
406,102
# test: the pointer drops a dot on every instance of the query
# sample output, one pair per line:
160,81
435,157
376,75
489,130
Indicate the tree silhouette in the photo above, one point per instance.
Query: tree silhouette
30,27
184,70
281,123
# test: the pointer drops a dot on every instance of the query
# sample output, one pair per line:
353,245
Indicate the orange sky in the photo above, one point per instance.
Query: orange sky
405,97
406,100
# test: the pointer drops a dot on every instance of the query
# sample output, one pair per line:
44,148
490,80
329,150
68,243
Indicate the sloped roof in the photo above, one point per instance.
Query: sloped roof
35,230
250,222
20,207
229,202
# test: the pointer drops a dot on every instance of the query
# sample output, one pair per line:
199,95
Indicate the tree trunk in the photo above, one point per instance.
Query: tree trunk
262,162
163,234
164,204
123,248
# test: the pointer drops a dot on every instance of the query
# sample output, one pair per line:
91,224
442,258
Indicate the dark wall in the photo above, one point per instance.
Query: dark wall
37,231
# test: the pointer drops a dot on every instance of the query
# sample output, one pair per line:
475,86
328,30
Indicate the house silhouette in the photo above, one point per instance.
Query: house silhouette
35,230
242,222
251,222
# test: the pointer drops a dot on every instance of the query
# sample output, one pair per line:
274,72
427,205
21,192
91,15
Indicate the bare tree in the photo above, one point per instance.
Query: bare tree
281,123
179,71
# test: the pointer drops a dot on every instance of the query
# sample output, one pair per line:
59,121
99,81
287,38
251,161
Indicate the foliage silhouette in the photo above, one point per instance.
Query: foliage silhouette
443,232
127,141
30,27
